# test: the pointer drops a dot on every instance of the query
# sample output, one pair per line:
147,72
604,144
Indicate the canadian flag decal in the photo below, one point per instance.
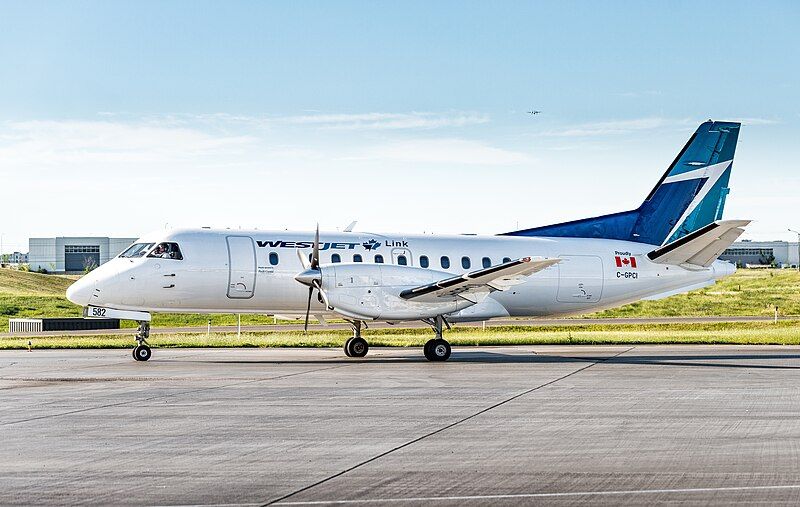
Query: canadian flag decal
625,262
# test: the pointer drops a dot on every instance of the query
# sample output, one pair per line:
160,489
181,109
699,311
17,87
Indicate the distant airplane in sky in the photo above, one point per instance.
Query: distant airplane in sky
534,112
668,245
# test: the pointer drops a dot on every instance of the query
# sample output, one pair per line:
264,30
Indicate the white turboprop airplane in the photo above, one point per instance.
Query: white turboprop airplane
668,245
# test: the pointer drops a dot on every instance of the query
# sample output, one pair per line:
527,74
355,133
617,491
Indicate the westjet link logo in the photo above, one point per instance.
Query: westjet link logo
372,244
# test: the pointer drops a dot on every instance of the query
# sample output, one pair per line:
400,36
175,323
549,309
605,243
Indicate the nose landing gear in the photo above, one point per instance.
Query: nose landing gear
142,350
355,346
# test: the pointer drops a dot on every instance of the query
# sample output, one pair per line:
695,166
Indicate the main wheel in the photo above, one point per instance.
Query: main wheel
347,347
437,350
427,349
358,347
142,353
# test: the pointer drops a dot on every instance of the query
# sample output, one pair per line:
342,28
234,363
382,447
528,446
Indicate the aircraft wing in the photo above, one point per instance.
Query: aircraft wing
702,247
475,285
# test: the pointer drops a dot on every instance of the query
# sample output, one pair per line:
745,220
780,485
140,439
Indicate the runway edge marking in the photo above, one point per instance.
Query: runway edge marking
721,489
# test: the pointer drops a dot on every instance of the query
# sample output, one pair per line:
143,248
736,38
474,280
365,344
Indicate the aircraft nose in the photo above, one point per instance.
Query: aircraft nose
80,292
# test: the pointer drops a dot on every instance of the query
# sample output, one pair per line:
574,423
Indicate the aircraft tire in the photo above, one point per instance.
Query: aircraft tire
347,347
439,350
358,347
142,353
427,349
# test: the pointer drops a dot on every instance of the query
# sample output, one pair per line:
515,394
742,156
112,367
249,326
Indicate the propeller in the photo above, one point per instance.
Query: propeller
311,276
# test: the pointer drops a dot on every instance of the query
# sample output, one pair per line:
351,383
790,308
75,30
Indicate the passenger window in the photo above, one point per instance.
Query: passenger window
357,258
423,261
486,262
336,258
506,259
379,259
445,261
402,261
273,258
167,251
465,262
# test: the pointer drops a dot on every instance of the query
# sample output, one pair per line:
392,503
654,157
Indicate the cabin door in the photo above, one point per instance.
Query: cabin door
241,267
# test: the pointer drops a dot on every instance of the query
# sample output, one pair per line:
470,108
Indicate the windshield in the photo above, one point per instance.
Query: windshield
167,251
136,250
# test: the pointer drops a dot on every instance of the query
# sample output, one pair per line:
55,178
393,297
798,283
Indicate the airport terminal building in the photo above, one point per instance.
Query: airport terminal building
760,253
73,254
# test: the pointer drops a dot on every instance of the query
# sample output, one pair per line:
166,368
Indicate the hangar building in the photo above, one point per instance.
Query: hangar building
759,253
73,255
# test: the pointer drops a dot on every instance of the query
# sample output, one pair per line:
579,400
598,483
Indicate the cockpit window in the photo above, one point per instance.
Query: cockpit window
167,251
136,250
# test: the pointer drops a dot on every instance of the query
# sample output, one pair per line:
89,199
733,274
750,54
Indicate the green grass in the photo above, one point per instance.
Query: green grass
745,333
748,292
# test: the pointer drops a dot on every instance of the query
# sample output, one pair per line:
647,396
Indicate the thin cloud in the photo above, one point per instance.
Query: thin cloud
387,121
616,127
605,128
419,120
442,151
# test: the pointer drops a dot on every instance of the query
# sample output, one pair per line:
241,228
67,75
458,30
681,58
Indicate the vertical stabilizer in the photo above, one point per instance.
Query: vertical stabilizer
690,195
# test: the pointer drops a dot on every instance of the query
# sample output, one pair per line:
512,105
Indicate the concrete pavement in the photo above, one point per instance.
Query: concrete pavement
554,424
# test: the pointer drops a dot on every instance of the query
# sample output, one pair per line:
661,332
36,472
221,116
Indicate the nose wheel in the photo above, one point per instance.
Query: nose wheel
142,351
355,346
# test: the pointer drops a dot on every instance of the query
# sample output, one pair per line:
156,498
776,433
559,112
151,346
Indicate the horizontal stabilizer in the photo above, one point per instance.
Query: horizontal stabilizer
701,247
471,286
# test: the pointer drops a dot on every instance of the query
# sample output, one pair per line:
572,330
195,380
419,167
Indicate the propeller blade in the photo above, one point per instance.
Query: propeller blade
318,285
303,259
308,308
315,251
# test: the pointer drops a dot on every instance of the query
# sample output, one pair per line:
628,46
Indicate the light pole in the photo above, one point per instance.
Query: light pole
798,247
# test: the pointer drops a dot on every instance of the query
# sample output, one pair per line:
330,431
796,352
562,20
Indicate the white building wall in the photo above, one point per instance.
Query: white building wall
42,254
48,253
786,253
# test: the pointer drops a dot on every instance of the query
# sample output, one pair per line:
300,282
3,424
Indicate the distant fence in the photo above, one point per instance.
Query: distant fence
60,324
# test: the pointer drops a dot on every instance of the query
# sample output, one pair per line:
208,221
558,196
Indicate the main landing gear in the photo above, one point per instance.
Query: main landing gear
142,351
356,346
437,349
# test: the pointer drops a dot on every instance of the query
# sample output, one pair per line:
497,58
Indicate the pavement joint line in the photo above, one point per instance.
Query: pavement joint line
169,395
546,495
594,362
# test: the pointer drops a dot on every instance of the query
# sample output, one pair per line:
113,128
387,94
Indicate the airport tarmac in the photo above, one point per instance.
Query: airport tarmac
494,425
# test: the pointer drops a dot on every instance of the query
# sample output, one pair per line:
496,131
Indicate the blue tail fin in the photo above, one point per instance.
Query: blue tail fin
690,195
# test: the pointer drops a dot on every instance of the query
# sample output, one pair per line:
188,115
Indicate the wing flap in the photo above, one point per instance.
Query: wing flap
702,247
476,285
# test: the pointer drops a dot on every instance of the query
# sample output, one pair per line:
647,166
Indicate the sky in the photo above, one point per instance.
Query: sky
120,118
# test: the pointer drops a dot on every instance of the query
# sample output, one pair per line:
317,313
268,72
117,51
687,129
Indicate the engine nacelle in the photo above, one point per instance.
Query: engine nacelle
372,291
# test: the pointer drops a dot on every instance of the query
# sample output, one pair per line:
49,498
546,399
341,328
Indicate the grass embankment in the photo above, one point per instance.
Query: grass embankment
748,292
24,294
745,333
31,295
